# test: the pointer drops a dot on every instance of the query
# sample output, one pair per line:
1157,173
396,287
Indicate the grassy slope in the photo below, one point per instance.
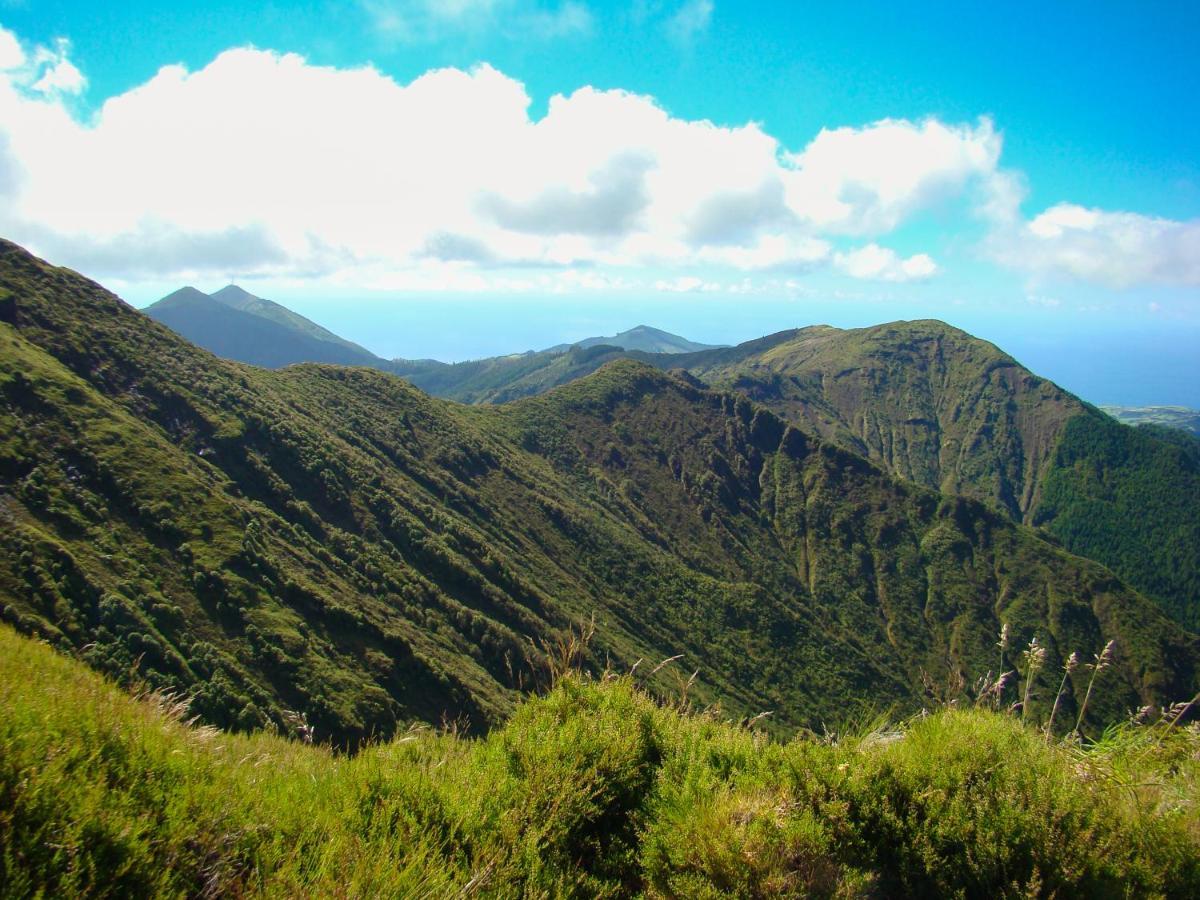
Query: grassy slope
929,402
503,378
233,296
591,791
335,542
933,404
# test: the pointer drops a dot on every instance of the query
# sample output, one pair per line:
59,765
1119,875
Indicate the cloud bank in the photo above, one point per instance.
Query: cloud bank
261,163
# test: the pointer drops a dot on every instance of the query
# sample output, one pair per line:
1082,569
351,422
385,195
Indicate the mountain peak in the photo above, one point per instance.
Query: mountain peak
645,338
184,297
232,295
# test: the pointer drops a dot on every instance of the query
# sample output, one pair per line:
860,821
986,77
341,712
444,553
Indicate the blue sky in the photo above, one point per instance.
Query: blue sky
720,169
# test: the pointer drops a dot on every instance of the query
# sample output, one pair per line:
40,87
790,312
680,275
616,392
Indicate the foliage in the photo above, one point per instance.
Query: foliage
332,543
939,407
593,790
1128,496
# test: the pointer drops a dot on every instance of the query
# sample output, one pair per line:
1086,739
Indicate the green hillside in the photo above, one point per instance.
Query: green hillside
929,402
333,542
938,406
1131,497
591,791
500,379
239,326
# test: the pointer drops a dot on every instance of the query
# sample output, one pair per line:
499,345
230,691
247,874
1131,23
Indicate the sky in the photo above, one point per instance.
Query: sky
466,178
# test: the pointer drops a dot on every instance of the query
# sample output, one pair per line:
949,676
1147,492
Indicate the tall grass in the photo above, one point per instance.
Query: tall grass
592,790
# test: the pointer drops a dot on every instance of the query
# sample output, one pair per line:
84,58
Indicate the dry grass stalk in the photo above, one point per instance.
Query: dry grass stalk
1103,659
1069,666
1035,658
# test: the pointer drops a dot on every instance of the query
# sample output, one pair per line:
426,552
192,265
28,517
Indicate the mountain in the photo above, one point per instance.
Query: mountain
332,542
237,325
940,407
500,379
642,338
1165,416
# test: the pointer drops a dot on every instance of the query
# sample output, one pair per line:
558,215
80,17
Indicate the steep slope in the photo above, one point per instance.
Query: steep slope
332,541
929,402
945,409
643,338
239,326
233,296
1130,497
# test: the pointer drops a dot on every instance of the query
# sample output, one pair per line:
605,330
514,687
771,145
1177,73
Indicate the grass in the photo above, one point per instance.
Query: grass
591,790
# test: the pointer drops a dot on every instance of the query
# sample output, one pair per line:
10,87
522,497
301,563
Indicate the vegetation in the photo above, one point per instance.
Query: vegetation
593,790
329,548
1106,476
929,402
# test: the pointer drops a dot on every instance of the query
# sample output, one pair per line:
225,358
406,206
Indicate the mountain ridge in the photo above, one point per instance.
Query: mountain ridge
644,338
333,541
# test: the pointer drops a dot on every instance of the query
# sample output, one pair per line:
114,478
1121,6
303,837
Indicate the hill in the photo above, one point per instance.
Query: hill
332,541
642,338
593,790
942,408
500,379
237,325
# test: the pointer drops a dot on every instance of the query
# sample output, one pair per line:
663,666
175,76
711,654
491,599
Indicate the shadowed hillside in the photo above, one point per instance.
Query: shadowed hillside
237,325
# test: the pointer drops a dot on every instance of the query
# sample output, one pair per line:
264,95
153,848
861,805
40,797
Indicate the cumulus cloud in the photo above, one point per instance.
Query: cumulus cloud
866,181
58,74
615,198
270,165
11,54
1115,249
877,263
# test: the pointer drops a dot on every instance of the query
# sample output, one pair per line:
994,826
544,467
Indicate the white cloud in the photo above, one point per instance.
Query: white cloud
11,54
877,263
263,163
690,20
61,77
1115,249
865,181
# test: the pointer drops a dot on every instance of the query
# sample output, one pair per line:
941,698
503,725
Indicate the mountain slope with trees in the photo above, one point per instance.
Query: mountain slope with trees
333,542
